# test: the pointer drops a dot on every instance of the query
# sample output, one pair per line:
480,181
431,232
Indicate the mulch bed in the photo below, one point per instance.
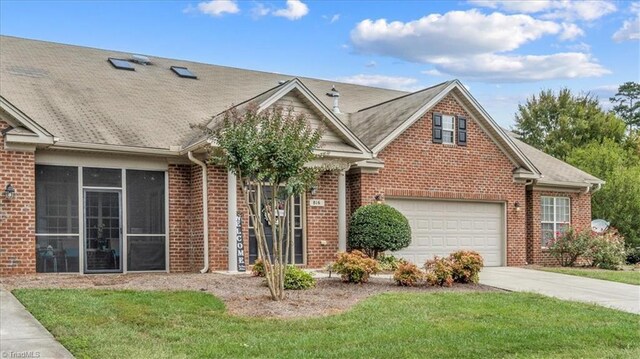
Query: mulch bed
243,294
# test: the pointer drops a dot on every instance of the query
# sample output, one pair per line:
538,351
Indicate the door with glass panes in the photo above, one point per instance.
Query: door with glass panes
293,220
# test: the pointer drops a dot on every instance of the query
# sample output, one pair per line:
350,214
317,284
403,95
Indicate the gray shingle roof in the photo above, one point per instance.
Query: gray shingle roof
77,95
552,169
375,123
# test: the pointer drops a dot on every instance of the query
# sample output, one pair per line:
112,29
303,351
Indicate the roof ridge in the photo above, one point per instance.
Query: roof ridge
406,95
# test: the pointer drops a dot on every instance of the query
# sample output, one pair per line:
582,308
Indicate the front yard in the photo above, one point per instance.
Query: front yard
94,323
628,275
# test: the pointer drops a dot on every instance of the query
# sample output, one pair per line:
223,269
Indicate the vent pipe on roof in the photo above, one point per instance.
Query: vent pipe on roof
140,59
335,94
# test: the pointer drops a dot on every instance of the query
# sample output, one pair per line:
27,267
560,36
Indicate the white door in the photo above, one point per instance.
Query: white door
441,227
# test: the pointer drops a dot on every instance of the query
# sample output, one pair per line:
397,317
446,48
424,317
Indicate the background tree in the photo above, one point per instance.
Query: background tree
268,152
619,199
558,123
627,102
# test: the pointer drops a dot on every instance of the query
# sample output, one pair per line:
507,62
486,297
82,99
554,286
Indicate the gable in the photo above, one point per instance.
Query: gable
301,105
479,166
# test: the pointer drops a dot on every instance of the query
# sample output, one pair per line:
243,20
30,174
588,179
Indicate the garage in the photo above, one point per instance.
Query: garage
441,227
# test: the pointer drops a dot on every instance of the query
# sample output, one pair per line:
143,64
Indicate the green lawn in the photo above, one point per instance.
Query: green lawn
129,324
625,276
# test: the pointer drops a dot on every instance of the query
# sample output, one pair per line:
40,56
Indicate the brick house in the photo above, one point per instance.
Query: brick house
109,175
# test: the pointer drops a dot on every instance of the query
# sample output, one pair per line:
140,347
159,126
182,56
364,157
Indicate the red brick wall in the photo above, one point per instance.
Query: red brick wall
580,220
180,215
218,211
322,223
17,217
416,167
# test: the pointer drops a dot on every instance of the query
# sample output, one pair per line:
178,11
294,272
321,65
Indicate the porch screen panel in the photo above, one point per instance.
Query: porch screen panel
57,224
146,230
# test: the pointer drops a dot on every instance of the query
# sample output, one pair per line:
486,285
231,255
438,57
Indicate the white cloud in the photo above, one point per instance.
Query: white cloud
371,64
476,46
432,72
580,47
295,10
456,33
518,68
630,29
218,7
390,82
259,10
553,9
570,31
333,18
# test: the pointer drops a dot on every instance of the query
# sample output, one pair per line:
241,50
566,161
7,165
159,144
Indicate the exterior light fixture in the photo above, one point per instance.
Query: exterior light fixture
517,205
313,190
9,192
378,198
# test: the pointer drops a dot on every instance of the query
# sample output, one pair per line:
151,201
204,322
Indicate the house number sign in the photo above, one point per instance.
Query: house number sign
316,203
240,244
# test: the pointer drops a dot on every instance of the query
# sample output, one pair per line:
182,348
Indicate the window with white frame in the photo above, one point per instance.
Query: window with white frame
448,129
556,217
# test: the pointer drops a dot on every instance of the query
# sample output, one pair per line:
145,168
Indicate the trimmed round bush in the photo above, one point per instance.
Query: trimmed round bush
378,227
296,278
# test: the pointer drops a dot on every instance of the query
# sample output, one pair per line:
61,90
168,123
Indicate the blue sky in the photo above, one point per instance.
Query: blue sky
504,51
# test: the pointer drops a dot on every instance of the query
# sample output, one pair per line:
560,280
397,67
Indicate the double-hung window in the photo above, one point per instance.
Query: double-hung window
556,217
448,129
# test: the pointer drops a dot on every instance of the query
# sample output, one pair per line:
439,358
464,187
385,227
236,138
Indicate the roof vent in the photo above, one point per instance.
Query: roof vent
335,94
140,59
281,82
183,72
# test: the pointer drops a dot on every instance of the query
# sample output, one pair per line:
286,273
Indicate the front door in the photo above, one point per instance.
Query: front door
103,231
293,219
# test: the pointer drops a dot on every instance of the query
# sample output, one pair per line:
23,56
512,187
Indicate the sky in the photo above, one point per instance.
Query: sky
503,51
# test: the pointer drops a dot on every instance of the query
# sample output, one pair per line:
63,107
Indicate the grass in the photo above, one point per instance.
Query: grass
131,324
621,276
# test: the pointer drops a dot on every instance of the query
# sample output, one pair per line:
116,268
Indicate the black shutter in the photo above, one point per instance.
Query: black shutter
462,131
437,128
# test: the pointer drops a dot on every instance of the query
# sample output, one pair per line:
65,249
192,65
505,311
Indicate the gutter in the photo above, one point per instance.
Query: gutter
205,210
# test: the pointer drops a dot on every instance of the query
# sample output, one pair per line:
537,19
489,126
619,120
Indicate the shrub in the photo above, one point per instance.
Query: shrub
633,255
607,250
439,272
407,274
296,278
570,246
466,266
355,267
258,268
389,263
377,228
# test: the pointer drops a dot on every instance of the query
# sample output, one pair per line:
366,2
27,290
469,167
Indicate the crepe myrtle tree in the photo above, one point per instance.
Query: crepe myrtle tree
268,151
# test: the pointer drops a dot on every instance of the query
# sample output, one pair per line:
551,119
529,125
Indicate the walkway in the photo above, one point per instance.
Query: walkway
22,336
625,297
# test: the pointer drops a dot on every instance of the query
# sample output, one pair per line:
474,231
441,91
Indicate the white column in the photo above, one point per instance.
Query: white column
232,206
342,212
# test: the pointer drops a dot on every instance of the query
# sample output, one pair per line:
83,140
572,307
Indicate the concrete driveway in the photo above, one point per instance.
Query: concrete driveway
625,297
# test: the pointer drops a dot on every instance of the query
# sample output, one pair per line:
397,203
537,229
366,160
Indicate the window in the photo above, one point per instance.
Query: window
183,72
121,64
556,217
448,129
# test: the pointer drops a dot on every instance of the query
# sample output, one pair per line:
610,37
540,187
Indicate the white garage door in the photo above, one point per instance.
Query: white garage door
441,227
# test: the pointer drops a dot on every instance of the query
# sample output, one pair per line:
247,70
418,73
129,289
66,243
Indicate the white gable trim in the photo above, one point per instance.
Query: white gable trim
520,158
18,118
327,113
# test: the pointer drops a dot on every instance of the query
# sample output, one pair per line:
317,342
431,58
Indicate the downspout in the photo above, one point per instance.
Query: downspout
205,211
597,188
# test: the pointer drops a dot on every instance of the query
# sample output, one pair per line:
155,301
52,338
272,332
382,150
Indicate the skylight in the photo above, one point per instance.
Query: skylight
121,64
183,72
